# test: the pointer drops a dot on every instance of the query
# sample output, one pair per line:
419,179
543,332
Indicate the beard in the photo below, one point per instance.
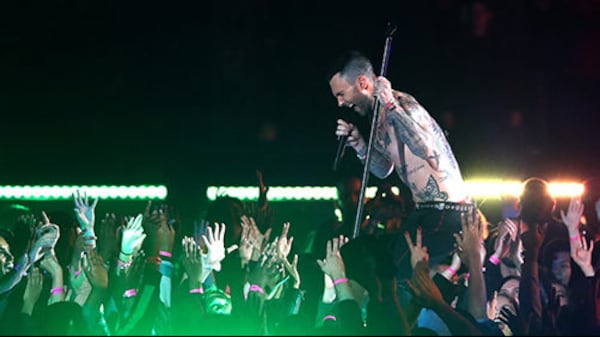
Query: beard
363,105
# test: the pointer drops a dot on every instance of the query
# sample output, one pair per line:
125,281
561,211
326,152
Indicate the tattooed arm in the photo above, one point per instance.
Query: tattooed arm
412,125
411,122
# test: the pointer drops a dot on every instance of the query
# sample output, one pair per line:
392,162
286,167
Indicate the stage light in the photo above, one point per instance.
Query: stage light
55,192
478,189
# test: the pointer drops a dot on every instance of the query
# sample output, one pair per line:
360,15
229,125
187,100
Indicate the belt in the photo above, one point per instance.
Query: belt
450,206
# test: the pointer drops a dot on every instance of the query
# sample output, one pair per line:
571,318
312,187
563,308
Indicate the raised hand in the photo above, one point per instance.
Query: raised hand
47,234
573,216
246,245
85,214
132,235
215,246
192,262
257,239
333,264
418,252
469,243
284,245
507,234
94,269
383,91
292,269
108,236
582,255
33,290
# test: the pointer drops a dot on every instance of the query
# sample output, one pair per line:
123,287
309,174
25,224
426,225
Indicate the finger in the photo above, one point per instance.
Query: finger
321,264
408,239
222,236
211,236
334,245
205,240
328,249
583,242
95,203
45,218
286,228
419,237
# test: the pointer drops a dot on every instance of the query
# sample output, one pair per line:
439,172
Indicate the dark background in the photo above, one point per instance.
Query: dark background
191,94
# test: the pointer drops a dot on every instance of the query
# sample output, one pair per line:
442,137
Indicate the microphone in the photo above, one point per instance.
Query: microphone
340,151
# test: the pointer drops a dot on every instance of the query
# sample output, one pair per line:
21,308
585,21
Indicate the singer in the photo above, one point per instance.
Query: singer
411,143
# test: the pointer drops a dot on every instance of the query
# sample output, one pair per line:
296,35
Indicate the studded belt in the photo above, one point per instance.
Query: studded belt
451,206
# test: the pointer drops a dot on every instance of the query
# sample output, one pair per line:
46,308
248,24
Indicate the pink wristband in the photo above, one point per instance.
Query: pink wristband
574,237
57,290
494,260
451,270
331,317
340,280
123,264
130,292
197,291
165,253
257,288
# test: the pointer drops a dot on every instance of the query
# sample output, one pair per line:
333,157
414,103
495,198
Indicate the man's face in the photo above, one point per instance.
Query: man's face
349,95
6,258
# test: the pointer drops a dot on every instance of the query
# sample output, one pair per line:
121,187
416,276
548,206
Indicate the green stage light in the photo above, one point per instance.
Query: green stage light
55,192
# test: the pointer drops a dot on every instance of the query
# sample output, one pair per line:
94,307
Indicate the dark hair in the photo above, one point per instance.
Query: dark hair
535,202
350,65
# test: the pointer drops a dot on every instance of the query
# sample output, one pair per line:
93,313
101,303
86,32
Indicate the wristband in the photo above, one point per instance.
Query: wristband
451,270
329,317
340,280
130,293
574,237
362,157
57,290
123,264
256,288
389,105
197,291
493,259
165,253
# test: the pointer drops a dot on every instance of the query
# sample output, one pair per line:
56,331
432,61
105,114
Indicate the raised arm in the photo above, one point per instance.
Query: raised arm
410,120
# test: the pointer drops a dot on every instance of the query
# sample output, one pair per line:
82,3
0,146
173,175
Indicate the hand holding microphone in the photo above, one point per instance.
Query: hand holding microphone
348,134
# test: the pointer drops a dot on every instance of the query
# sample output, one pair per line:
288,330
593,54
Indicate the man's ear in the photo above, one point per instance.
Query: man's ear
362,82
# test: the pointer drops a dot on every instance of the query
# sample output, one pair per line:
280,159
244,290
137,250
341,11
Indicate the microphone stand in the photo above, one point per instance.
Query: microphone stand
374,122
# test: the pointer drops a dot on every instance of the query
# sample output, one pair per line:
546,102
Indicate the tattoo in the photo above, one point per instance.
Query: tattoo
418,168
436,158
431,192
444,145
408,130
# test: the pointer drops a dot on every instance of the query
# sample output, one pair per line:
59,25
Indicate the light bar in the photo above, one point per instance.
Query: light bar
55,192
476,188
